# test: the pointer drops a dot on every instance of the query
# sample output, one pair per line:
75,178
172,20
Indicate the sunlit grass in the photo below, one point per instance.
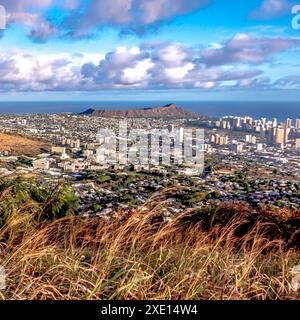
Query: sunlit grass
140,257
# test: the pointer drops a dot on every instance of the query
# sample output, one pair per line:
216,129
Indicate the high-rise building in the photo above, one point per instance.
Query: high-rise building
286,135
250,139
298,124
218,123
224,124
223,140
249,121
171,128
298,144
280,136
259,147
272,135
219,140
288,123
181,135
237,147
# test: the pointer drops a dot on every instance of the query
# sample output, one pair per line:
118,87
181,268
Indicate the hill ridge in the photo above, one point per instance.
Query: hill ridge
169,110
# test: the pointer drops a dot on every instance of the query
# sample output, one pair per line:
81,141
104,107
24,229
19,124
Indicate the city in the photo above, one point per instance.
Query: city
255,161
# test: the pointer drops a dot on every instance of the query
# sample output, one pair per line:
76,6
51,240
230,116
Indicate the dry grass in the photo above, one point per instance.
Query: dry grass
18,145
134,258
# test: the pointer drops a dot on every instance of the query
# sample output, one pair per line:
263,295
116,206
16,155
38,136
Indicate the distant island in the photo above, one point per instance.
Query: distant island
167,111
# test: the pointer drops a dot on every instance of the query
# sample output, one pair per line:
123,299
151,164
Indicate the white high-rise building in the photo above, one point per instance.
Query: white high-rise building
237,147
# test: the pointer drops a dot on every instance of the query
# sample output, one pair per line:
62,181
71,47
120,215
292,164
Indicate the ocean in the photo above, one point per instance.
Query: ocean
269,110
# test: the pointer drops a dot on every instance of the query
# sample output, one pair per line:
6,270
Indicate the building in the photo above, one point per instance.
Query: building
237,147
58,150
280,136
219,140
42,164
286,135
250,139
288,123
259,147
298,144
75,144
171,128
223,140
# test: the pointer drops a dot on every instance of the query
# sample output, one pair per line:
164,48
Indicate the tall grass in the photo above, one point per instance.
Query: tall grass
139,256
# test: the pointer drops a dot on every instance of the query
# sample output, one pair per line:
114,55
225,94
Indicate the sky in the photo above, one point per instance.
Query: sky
149,50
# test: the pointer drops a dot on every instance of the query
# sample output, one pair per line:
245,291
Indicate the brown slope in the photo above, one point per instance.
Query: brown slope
170,110
17,145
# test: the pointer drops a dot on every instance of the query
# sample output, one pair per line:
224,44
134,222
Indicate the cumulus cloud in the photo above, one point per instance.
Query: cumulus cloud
262,82
27,72
120,68
98,13
130,13
151,66
270,9
157,10
288,81
29,13
245,49
79,18
162,66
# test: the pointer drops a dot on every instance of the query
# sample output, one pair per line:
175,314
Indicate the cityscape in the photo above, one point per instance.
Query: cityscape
265,152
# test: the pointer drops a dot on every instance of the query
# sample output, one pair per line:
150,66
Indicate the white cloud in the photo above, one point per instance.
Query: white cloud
157,10
270,9
149,67
243,48
137,74
79,18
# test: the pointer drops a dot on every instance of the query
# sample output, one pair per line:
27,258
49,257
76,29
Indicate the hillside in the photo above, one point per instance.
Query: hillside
168,111
228,252
18,145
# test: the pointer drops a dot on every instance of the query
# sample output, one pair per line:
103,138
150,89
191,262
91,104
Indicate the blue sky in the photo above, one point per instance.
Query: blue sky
149,50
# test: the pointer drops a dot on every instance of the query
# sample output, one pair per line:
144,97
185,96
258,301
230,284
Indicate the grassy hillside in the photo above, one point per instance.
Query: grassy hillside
218,253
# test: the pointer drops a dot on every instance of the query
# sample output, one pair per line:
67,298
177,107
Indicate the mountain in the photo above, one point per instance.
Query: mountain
167,111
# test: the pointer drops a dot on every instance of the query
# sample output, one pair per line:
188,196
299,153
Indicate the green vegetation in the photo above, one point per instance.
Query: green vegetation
216,252
41,203
191,197
96,207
